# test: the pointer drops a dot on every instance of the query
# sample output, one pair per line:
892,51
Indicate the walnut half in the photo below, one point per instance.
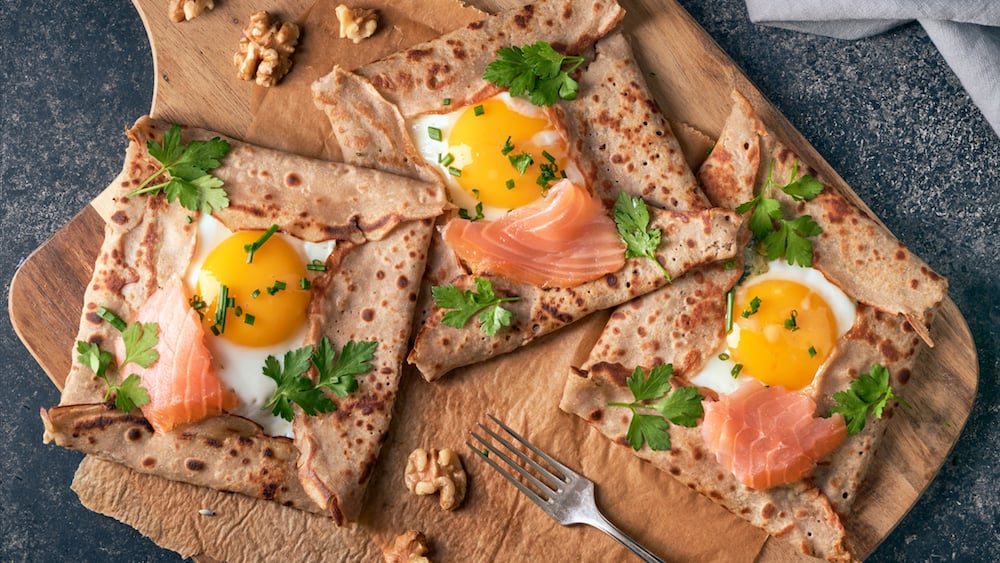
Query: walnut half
356,23
409,547
428,472
266,49
187,10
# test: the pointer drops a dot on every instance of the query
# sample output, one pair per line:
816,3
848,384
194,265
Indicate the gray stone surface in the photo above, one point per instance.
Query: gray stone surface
886,112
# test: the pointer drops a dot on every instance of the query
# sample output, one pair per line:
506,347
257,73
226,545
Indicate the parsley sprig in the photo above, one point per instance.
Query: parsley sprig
681,407
781,236
538,71
140,349
463,305
188,166
333,373
632,219
869,392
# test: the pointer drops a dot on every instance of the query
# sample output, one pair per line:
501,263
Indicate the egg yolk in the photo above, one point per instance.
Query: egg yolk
788,337
483,143
267,302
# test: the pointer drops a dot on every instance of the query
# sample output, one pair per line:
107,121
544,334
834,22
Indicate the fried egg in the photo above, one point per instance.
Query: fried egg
786,322
498,152
268,312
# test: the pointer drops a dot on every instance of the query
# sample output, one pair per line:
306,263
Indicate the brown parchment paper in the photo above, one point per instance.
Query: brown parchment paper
496,522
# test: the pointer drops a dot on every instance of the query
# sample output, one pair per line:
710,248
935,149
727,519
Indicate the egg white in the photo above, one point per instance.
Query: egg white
433,151
241,367
716,374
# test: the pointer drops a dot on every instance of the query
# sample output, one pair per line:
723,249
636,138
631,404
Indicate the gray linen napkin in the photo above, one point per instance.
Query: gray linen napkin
966,32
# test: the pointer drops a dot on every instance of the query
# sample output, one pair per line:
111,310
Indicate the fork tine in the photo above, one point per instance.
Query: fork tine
553,478
532,495
543,487
567,472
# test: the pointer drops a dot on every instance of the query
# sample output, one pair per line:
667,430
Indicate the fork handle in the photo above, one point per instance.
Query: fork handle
603,524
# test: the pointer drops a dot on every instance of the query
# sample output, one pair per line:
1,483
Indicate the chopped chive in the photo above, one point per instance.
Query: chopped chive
434,133
278,286
255,246
729,264
446,102
790,322
249,319
454,171
507,147
255,294
198,304
304,283
510,183
189,220
112,318
316,265
238,311
723,356
754,307
549,157
446,160
215,330
521,162
464,213
478,110
812,351
736,370
548,175
730,298
223,303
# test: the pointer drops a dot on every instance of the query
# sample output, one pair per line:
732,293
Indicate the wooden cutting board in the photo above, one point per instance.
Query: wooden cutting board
691,78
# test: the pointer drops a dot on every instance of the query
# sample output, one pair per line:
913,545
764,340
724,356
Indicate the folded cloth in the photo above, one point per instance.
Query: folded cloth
966,32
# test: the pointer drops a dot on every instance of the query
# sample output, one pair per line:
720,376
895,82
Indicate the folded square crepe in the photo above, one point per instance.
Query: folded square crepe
617,136
368,292
683,324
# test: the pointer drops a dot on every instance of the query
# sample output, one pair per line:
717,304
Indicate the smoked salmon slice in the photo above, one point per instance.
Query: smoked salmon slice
769,436
563,240
183,385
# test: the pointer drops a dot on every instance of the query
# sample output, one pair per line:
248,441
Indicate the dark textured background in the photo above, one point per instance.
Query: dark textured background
886,112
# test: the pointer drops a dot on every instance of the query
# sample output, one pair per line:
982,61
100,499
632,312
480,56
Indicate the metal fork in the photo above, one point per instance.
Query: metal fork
563,494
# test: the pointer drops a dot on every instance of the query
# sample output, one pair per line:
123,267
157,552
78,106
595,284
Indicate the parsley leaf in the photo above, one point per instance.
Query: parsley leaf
463,305
131,394
140,341
783,237
537,70
632,219
334,373
92,356
870,391
293,386
649,428
656,385
805,188
188,166
492,319
339,377
682,407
